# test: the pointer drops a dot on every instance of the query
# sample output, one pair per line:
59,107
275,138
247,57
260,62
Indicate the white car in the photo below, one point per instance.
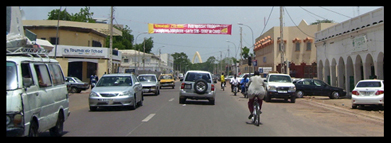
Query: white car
197,85
279,86
368,92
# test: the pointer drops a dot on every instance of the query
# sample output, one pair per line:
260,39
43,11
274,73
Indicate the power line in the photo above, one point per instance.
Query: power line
313,13
335,12
296,25
267,20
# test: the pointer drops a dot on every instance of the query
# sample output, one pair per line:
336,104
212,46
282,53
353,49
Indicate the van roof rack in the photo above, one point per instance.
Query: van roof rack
29,51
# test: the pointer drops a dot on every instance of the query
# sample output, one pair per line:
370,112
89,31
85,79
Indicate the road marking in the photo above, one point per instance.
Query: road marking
148,118
172,99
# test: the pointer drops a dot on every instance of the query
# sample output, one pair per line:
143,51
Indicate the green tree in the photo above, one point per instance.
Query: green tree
245,52
181,61
122,42
322,21
83,16
148,45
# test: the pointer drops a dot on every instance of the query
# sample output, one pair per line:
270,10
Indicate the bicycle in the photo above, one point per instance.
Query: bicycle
222,85
256,112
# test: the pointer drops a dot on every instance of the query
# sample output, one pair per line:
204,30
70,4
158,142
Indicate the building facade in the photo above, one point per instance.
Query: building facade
81,47
352,50
132,62
299,50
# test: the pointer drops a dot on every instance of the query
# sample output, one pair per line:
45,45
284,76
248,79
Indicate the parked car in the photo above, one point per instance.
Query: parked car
75,85
149,83
166,80
308,86
368,92
279,86
116,90
197,85
37,97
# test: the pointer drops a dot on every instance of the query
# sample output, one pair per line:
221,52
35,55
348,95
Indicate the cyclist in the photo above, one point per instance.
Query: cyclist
234,82
222,79
255,89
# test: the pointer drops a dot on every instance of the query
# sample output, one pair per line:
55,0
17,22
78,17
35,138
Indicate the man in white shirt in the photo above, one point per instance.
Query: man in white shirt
234,82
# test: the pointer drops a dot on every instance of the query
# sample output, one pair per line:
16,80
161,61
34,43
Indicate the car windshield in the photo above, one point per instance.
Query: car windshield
12,82
279,78
195,76
148,78
369,84
115,81
166,77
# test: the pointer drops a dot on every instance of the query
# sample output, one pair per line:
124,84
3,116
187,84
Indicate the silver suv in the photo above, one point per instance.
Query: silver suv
197,85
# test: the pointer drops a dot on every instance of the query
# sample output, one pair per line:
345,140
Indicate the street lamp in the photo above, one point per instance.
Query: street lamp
237,70
252,36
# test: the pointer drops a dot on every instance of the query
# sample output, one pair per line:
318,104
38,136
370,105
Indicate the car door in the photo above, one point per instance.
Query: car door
320,87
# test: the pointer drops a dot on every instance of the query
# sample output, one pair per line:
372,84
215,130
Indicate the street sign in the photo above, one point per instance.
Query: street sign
255,62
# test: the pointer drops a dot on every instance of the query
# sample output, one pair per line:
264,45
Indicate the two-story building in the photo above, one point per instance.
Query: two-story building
81,49
299,50
132,62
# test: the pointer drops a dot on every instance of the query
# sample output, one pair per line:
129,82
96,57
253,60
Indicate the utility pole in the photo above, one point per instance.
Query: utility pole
282,39
160,59
144,56
240,42
221,61
111,42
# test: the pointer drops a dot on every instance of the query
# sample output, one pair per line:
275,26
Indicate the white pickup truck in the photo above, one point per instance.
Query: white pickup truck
279,86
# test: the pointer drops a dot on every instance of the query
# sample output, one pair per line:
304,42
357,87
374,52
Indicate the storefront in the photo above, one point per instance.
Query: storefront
82,62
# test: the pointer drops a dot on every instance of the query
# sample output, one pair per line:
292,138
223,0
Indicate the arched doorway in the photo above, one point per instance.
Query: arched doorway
327,71
380,66
333,72
358,68
320,70
369,67
349,74
341,73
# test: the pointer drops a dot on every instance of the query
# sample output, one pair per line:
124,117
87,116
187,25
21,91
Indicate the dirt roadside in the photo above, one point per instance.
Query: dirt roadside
374,114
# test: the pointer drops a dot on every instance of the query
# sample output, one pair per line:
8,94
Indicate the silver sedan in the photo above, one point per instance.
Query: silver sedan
116,90
149,83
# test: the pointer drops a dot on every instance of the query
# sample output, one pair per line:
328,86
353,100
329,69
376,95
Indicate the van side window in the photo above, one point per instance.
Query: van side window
43,75
26,71
56,74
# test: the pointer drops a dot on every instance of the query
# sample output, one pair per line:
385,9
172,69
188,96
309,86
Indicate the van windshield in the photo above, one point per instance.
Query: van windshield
12,82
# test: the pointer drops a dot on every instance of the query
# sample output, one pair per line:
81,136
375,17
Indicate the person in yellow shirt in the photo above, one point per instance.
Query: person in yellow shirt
222,80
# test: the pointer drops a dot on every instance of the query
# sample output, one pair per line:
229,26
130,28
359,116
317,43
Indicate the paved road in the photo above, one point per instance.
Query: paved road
162,115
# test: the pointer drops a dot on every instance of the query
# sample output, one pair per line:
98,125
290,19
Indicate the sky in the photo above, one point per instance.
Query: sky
137,18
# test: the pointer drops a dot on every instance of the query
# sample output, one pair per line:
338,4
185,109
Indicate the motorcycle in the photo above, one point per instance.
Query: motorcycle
245,91
235,90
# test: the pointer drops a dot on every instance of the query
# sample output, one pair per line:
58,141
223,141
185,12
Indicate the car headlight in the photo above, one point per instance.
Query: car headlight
93,94
126,93
271,88
292,89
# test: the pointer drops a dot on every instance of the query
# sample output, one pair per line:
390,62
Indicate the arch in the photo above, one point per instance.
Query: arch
333,70
199,57
358,68
369,67
320,70
349,74
341,79
326,76
380,66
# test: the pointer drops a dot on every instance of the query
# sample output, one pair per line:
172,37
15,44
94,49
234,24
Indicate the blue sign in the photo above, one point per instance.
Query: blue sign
255,62
260,70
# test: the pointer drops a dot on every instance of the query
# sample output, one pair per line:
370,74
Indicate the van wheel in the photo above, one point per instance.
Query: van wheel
33,131
57,130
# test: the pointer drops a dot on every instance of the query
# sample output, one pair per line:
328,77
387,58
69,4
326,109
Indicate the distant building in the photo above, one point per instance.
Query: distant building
81,49
132,62
352,50
299,47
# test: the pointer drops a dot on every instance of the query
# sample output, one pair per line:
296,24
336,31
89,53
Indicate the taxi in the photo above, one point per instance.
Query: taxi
166,80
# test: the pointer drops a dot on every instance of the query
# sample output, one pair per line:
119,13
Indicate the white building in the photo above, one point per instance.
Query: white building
352,50
132,62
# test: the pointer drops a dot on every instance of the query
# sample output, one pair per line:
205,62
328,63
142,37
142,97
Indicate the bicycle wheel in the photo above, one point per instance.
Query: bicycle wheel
256,111
223,86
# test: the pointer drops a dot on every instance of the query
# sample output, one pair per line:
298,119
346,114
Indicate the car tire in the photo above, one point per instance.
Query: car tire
57,130
74,90
334,95
354,106
299,94
33,130
200,86
93,108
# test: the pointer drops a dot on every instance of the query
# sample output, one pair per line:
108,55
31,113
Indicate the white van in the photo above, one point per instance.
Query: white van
37,97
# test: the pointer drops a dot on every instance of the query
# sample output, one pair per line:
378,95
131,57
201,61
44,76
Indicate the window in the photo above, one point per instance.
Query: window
96,44
53,40
56,74
308,46
26,72
126,60
12,81
43,75
297,46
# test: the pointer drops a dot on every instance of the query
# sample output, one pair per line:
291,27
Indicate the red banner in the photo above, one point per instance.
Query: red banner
224,29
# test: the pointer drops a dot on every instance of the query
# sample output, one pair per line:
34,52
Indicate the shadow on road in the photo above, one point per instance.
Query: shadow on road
197,102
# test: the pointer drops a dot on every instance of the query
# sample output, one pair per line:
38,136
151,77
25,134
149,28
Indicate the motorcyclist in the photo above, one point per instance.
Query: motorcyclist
234,82
243,83
255,89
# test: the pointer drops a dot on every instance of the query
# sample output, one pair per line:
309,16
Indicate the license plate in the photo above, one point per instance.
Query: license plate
188,86
107,100
282,91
